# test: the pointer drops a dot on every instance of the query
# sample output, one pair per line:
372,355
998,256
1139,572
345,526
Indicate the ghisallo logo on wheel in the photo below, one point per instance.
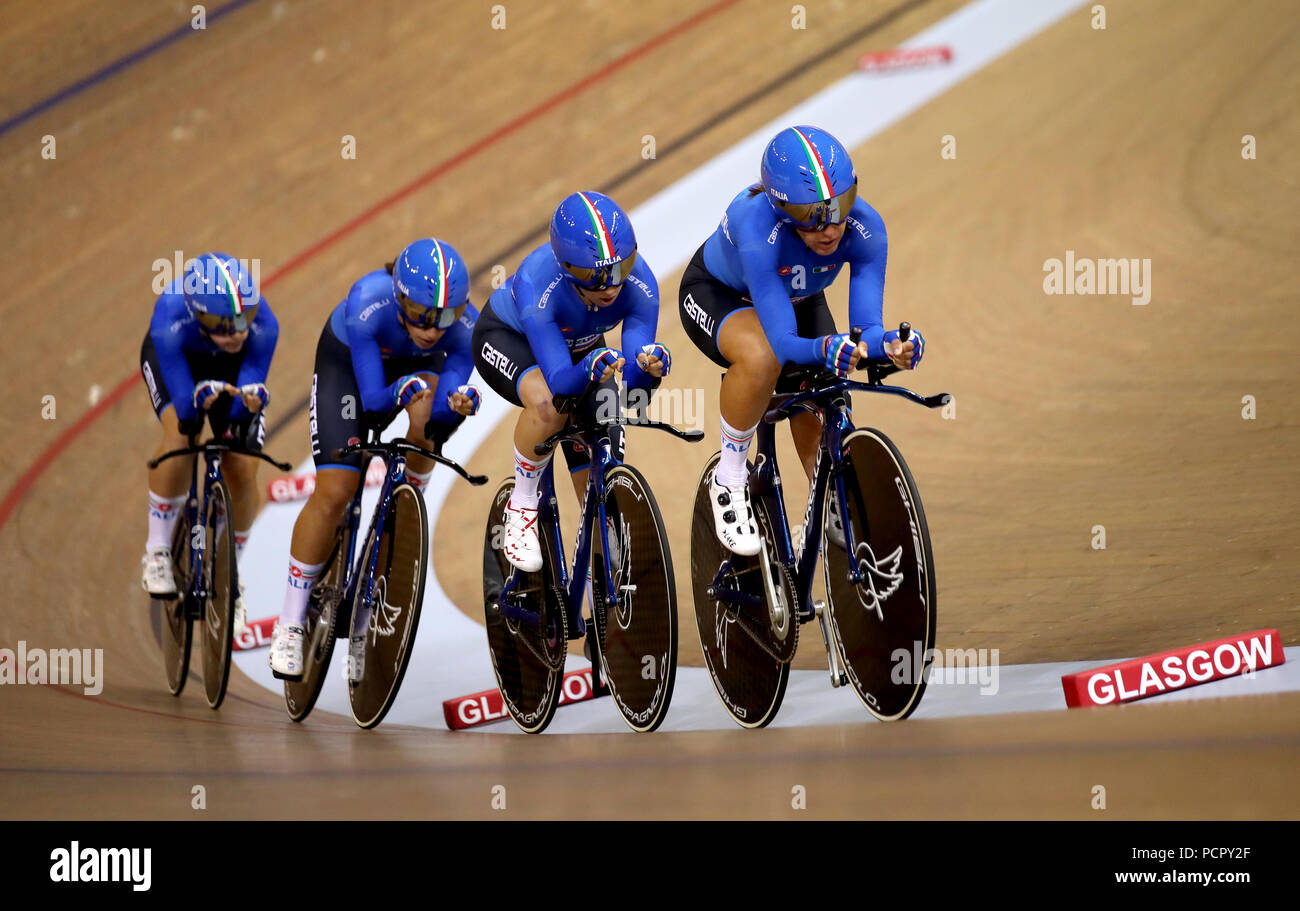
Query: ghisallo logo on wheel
916,538
661,685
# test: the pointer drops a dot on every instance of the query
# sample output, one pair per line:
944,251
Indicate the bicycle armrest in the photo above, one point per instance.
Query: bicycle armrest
567,404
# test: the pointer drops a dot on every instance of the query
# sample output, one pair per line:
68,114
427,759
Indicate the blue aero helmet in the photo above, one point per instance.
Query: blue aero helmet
220,293
809,178
431,283
593,240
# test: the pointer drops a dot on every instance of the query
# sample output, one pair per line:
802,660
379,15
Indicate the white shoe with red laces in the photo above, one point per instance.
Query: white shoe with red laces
521,546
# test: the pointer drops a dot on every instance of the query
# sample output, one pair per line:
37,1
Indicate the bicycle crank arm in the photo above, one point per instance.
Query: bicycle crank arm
734,598
838,677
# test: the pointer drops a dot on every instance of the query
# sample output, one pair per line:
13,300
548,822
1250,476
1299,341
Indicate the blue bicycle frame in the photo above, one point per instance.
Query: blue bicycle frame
831,402
197,508
355,576
593,512
395,473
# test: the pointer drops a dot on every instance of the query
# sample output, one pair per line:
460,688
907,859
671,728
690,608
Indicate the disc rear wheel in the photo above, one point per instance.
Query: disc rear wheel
177,631
323,609
740,644
528,654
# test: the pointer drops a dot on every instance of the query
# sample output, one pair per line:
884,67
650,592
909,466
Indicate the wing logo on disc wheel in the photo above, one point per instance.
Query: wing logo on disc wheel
621,559
722,621
869,593
383,616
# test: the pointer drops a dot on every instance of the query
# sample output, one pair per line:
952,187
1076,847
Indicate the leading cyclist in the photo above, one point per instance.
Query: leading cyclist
753,299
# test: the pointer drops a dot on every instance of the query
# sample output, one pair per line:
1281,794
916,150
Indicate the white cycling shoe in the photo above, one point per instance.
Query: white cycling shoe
241,615
156,573
521,546
286,651
733,518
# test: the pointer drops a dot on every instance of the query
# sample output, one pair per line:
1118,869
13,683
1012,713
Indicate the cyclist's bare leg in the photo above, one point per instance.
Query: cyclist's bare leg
169,484
748,383
313,532
806,430
240,472
539,419
172,478
313,536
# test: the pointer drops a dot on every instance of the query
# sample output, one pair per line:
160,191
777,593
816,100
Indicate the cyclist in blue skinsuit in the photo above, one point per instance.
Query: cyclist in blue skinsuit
542,333
400,339
206,355
753,300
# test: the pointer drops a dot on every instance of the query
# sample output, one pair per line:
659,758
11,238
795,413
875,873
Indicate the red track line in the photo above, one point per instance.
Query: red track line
28,479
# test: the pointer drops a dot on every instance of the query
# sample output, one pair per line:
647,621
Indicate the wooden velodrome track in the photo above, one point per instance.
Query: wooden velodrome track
1071,411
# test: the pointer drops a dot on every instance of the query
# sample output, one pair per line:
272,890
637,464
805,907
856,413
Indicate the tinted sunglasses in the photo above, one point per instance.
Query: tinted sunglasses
428,317
602,277
820,214
225,324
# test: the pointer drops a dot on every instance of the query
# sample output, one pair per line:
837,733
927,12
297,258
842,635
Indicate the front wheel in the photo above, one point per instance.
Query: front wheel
221,586
885,621
637,622
389,618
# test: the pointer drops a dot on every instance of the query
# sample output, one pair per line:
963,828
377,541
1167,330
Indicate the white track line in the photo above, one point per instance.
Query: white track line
450,653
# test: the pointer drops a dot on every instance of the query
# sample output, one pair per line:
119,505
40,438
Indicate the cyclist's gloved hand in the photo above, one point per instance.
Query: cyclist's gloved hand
655,355
914,346
465,400
409,387
255,396
838,351
601,361
206,392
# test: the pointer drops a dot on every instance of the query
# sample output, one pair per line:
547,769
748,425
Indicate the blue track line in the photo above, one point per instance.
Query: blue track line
114,68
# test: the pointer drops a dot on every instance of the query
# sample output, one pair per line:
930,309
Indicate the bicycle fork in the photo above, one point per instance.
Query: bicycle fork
827,482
